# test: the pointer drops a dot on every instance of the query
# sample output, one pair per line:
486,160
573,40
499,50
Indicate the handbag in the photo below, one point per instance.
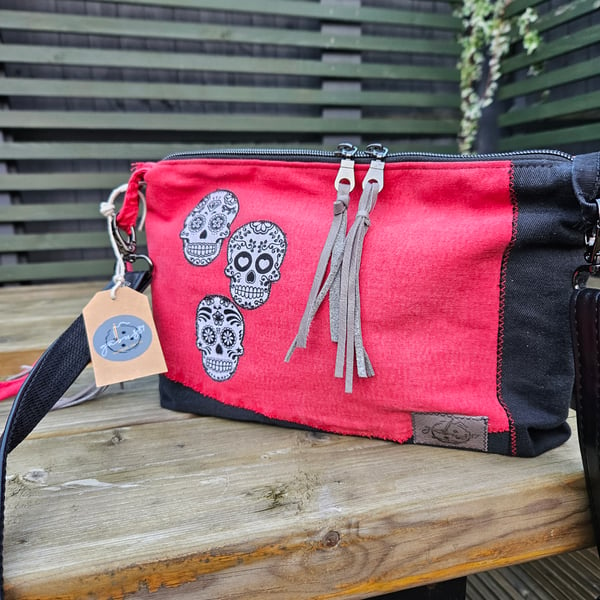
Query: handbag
414,297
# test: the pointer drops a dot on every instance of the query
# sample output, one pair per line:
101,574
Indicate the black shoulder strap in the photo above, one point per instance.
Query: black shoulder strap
585,326
49,379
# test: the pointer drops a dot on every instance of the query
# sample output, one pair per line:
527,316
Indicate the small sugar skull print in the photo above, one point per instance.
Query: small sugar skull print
254,256
219,336
207,226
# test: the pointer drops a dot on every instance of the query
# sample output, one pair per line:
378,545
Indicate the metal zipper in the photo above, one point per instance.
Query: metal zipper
363,156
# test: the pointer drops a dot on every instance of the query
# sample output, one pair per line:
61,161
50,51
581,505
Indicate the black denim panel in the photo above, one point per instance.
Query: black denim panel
536,362
178,397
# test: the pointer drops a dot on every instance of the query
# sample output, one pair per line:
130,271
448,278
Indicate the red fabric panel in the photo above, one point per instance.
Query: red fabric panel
429,286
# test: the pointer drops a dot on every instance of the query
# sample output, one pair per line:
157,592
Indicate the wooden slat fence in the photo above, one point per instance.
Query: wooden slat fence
552,98
87,87
90,86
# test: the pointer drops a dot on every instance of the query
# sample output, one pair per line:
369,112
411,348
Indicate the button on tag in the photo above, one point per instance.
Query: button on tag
122,337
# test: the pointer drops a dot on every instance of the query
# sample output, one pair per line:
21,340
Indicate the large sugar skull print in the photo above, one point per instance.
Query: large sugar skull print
219,336
254,256
207,226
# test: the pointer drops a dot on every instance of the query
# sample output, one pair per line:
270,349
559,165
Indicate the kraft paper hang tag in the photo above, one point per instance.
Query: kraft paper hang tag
122,337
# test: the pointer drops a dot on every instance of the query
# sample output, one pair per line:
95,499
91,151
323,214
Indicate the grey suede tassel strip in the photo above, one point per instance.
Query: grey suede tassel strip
350,342
332,250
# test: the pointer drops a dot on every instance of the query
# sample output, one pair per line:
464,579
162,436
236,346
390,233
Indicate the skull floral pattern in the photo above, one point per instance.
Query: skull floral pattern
207,226
219,336
254,255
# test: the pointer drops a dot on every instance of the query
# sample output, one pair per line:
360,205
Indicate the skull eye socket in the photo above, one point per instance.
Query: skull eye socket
208,335
216,223
242,261
197,222
264,263
228,337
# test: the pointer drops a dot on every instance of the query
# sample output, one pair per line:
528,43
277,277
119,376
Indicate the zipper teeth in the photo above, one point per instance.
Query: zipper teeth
293,152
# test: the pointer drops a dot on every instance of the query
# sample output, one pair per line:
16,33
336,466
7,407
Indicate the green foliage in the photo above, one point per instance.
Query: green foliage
485,40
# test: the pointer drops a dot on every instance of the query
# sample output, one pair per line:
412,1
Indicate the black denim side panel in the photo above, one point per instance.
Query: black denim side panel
536,377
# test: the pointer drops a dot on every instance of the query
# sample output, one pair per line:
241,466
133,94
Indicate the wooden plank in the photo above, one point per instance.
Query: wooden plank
41,87
17,213
564,13
56,270
31,321
314,10
156,151
518,6
565,44
37,242
184,61
176,507
176,30
84,150
13,182
29,119
559,108
545,80
580,133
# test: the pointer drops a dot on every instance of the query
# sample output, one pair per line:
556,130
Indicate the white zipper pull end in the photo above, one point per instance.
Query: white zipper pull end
346,170
375,172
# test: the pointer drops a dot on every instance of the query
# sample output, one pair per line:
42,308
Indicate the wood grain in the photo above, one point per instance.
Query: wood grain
233,510
118,498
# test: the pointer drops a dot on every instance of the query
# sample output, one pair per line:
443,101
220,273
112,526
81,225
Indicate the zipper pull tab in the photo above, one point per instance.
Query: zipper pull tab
375,172
346,170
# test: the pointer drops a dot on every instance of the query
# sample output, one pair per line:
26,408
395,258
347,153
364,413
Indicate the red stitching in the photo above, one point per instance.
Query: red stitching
502,303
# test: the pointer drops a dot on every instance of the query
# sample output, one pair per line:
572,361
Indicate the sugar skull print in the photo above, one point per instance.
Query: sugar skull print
219,336
207,226
254,256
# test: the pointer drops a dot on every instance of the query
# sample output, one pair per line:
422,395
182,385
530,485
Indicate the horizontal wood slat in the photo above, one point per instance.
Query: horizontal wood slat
14,182
10,151
540,139
58,241
53,241
568,11
199,32
573,73
19,213
132,152
314,10
567,43
224,93
559,108
57,270
180,61
249,123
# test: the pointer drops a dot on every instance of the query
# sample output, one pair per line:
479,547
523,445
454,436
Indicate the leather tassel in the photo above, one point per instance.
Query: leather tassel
331,253
350,342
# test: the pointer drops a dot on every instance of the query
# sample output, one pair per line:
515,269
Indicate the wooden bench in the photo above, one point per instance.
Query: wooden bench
119,497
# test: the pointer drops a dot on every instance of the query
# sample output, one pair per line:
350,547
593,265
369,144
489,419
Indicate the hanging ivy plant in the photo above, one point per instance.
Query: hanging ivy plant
485,40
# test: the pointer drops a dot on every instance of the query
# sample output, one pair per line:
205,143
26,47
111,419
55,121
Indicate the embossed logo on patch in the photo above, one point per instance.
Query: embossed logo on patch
454,431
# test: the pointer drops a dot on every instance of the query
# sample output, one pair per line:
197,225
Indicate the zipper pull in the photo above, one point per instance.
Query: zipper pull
346,170
375,172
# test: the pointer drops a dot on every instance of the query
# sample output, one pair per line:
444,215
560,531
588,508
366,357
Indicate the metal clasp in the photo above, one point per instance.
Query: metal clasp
378,151
126,246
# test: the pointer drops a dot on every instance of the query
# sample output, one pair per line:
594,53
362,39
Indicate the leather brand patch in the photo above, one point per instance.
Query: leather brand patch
453,431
